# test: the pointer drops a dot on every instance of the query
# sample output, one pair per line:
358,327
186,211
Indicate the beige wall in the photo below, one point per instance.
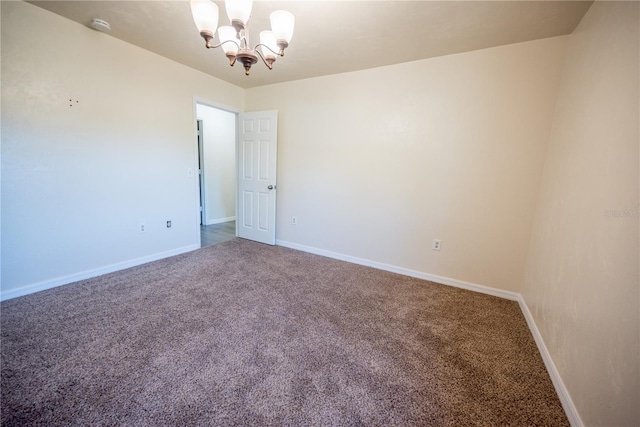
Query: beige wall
581,282
78,177
376,164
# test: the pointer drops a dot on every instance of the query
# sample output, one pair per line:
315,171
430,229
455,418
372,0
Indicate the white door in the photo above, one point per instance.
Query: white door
257,176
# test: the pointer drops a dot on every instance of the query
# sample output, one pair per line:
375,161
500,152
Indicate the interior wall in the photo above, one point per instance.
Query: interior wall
582,274
98,138
219,152
376,164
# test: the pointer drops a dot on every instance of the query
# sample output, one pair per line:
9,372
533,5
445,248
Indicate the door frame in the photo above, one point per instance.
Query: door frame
203,101
202,193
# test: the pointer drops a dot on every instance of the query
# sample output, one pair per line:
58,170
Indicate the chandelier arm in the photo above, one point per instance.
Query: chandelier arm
220,44
268,63
262,44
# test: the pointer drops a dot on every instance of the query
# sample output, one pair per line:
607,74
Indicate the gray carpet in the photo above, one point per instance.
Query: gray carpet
247,334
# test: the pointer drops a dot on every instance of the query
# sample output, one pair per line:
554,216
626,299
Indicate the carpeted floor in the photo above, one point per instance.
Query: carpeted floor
247,334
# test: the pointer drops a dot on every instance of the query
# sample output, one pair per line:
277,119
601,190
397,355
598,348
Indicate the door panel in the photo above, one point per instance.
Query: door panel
257,176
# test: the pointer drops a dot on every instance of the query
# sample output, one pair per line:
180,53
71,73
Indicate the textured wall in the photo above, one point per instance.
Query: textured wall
97,137
582,282
376,164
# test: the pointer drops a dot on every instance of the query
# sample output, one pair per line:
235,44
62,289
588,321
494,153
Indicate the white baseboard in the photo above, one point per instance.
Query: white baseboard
220,220
563,394
87,274
404,271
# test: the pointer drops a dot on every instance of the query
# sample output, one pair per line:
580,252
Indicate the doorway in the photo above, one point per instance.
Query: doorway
216,129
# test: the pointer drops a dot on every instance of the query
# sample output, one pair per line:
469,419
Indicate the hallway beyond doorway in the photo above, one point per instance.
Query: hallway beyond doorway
217,233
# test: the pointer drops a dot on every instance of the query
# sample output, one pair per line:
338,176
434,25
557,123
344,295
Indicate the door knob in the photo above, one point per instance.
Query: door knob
270,187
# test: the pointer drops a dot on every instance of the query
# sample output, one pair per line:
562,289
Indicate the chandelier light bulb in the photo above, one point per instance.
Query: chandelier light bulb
239,10
269,47
205,16
228,40
282,23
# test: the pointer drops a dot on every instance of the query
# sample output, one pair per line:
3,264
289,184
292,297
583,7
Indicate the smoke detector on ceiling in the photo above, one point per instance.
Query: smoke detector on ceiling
100,25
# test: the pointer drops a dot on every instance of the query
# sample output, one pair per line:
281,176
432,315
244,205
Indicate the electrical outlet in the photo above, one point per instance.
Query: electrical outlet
143,227
294,220
169,224
437,244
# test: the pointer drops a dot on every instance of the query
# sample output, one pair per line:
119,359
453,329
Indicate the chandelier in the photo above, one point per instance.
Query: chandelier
234,38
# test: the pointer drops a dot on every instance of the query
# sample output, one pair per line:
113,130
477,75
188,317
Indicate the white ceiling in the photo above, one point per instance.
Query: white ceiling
333,36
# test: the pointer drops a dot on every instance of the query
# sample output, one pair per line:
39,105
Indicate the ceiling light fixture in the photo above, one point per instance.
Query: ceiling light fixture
234,38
